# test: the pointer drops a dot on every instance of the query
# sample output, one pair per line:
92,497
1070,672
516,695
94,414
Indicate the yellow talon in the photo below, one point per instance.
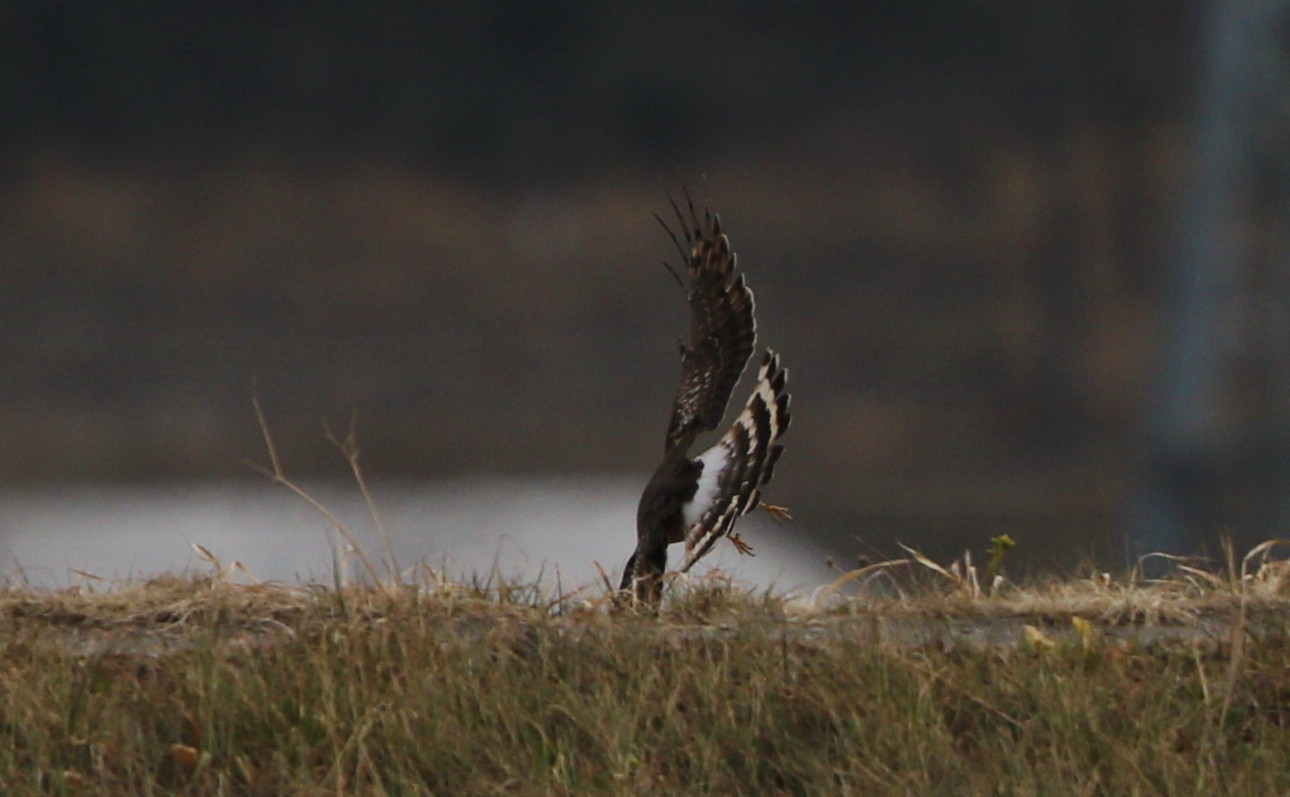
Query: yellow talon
741,546
778,513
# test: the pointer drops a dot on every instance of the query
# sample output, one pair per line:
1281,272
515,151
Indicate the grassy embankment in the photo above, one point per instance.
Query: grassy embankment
932,685
920,679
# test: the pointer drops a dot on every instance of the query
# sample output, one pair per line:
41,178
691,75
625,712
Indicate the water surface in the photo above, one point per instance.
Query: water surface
557,530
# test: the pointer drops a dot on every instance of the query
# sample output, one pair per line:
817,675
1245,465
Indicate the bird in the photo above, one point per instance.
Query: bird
696,500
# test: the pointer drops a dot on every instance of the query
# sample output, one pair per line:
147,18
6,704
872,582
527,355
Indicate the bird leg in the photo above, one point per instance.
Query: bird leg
740,545
778,513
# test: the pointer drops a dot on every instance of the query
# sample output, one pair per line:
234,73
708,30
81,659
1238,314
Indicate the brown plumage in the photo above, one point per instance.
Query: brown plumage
722,328
696,501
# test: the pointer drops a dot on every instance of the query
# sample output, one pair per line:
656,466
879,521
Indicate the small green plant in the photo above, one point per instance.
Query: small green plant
999,547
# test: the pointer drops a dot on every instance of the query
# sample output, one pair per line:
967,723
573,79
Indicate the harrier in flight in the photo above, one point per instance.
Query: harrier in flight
696,501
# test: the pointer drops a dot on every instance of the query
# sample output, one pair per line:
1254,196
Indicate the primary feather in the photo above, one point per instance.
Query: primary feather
722,328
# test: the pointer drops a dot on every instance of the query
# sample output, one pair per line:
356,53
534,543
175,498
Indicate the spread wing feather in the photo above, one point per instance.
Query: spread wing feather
722,329
739,465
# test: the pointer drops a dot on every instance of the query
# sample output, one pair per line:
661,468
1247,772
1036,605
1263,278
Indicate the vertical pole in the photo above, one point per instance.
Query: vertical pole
1187,452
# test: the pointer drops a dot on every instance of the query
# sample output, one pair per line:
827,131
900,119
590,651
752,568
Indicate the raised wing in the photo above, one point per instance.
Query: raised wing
722,329
739,465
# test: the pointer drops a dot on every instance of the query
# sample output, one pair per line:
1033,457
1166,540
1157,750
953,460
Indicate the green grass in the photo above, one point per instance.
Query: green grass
203,686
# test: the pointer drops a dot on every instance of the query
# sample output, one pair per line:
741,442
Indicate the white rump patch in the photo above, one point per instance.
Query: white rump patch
714,461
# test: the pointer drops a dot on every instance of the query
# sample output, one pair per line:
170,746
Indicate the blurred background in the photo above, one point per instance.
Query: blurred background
1025,260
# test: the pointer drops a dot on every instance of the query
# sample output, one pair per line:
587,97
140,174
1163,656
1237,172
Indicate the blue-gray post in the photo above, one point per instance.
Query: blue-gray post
1186,451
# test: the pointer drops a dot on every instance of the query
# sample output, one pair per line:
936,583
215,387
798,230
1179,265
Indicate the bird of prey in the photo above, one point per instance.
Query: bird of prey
696,501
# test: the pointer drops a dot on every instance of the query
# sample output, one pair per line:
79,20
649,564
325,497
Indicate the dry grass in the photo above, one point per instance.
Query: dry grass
1255,581
202,685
